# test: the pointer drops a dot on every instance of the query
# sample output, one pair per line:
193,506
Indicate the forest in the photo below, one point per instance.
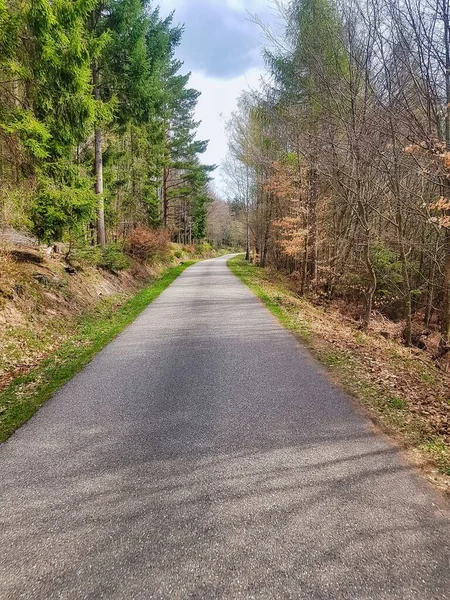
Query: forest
342,162
97,130
226,380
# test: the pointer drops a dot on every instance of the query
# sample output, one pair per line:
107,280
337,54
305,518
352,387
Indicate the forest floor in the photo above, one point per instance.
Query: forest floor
404,392
55,317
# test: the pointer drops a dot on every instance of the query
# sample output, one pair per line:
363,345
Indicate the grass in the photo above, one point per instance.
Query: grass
349,357
275,299
22,398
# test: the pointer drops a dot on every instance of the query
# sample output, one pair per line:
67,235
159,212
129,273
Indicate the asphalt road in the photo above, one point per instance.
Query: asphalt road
203,454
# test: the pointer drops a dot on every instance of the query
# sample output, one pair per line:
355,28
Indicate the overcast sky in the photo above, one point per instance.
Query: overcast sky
221,46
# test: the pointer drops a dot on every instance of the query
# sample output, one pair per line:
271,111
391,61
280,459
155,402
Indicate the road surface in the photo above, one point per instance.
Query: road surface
203,454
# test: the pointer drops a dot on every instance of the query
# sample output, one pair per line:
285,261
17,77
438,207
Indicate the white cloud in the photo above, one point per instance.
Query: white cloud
237,5
215,105
222,48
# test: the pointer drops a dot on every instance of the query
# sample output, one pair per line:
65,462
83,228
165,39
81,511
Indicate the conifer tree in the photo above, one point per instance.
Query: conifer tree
93,114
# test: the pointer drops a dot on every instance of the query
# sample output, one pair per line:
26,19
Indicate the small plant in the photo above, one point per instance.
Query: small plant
337,359
428,378
203,249
440,451
359,339
397,403
113,259
85,256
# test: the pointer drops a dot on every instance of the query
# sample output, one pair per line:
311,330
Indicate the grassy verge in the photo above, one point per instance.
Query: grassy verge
405,395
20,400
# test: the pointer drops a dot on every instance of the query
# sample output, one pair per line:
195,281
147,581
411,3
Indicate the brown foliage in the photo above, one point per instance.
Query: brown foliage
442,205
144,243
285,182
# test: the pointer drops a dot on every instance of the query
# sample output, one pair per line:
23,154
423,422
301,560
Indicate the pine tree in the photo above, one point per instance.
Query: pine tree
93,114
52,109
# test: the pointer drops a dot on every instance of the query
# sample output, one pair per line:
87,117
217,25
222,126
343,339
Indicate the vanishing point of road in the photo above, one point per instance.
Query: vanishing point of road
204,454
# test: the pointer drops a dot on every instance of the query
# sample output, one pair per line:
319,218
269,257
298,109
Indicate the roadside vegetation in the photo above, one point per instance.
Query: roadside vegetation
341,163
41,295
404,391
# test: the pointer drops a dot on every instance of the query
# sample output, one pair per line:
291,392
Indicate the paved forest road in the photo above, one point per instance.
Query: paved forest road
203,455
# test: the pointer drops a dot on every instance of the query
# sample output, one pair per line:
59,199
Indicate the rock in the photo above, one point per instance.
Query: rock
59,248
42,279
17,238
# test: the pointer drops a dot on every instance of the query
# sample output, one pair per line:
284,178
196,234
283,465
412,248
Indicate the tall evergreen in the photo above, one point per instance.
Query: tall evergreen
95,118
52,110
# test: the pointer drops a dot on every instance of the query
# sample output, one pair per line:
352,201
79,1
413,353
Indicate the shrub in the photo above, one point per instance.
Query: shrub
203,249
62,207
388,269
113,259
85,255
146,244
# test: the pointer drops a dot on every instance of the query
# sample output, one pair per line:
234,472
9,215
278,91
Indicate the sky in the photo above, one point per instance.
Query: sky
221,47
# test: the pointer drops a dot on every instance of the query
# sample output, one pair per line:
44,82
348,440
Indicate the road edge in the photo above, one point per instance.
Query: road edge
28,393
423,462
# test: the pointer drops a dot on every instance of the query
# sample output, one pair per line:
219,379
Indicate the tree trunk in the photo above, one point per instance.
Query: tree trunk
312,225
372,285
101,232
247,215
431,284
408,305
165,197
305,265
445,320
247,249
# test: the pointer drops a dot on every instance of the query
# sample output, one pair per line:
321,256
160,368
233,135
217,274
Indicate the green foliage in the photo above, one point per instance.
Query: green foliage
388,269
114,259
203,249
397,403
70,67
315,56
33,134
61,204
290,159
83,256
58,71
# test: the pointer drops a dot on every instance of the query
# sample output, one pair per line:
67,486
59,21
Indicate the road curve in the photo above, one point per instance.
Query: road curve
203,454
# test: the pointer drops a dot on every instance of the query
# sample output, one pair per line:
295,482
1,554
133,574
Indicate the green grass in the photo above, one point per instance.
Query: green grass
92,332
397,403
277,302
439,451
